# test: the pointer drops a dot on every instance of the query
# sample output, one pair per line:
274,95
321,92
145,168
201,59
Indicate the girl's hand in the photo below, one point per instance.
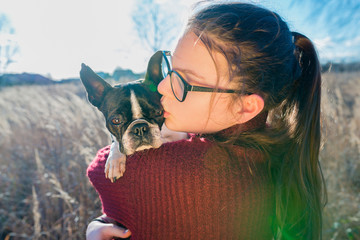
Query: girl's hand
115,163
105,231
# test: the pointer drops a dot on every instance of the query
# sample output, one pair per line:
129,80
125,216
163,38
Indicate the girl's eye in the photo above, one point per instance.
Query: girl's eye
116,121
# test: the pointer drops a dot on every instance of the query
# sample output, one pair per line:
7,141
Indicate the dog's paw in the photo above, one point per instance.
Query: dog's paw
115,167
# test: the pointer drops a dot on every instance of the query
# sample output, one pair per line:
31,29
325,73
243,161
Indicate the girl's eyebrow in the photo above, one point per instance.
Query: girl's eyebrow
189,72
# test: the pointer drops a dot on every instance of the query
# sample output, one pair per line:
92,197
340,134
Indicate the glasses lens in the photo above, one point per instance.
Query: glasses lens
177,86
166,63
164,67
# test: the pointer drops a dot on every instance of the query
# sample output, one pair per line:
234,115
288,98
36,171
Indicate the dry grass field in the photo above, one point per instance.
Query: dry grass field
49,134
340,155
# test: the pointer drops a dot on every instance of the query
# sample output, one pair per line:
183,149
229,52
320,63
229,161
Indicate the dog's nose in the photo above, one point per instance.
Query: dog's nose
140,129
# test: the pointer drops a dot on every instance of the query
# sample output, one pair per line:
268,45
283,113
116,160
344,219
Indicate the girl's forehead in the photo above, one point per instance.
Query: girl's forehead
192,54
191,48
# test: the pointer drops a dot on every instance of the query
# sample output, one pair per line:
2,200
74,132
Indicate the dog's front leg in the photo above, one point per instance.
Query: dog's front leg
115,163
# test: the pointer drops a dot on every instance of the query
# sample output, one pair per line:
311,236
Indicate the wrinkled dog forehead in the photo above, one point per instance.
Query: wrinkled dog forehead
120,100
133,101
143,101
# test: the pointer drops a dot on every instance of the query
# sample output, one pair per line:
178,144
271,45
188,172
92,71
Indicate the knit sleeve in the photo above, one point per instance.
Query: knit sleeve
112,195
150,182
98,162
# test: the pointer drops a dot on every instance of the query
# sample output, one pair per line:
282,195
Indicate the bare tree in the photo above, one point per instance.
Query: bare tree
8,46
157,24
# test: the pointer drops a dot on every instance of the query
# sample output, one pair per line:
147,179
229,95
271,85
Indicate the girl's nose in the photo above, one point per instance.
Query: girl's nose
164,87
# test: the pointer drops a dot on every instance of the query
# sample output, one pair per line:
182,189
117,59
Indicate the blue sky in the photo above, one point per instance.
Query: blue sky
56,36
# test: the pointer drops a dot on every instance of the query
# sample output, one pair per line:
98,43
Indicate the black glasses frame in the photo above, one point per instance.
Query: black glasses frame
187,86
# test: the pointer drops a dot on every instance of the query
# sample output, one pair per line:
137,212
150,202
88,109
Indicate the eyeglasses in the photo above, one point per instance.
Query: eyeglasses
179,86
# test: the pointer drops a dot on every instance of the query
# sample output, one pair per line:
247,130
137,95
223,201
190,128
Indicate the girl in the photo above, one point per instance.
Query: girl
252,171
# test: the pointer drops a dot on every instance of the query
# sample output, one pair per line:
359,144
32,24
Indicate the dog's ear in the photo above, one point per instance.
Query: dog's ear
95,86
154,73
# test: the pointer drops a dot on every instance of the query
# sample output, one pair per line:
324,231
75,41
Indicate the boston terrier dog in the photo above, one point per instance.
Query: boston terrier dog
132,111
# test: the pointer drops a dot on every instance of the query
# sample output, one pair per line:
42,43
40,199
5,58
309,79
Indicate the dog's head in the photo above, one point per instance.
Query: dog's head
133,112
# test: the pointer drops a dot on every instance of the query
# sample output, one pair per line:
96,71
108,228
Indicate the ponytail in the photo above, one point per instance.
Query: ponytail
299,181
263,59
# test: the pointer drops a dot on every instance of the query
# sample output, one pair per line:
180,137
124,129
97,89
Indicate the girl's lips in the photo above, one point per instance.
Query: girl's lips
166,114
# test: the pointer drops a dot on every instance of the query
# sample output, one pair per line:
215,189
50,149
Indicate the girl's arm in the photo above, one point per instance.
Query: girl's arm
105,228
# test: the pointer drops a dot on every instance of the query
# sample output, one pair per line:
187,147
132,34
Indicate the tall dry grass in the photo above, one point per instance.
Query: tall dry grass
340,155
49,134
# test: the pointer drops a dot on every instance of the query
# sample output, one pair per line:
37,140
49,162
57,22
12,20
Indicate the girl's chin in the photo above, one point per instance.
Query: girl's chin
171,125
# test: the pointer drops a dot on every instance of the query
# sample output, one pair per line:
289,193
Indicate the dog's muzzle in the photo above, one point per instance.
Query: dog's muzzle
140,128
141,135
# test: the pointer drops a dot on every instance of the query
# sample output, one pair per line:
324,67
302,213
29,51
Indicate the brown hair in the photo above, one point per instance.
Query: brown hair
282,67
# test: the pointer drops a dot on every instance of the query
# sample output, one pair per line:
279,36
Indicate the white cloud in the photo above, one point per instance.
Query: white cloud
325,42
329,50
353,42
56,36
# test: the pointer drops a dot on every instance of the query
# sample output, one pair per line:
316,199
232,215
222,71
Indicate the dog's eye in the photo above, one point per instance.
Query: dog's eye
116,121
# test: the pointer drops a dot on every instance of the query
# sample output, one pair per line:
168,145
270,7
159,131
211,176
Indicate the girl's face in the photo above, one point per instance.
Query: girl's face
201,112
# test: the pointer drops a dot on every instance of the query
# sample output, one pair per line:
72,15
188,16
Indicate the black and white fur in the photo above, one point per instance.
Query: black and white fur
132,111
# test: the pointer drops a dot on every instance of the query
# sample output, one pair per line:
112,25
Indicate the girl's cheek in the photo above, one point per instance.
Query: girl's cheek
164,86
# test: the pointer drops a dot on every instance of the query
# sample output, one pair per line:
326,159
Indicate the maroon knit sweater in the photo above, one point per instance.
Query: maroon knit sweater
190,189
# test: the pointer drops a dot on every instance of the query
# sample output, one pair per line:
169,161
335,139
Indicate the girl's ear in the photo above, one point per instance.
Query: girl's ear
250,107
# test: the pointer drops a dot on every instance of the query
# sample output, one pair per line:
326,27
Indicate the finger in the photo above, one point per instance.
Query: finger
117,231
